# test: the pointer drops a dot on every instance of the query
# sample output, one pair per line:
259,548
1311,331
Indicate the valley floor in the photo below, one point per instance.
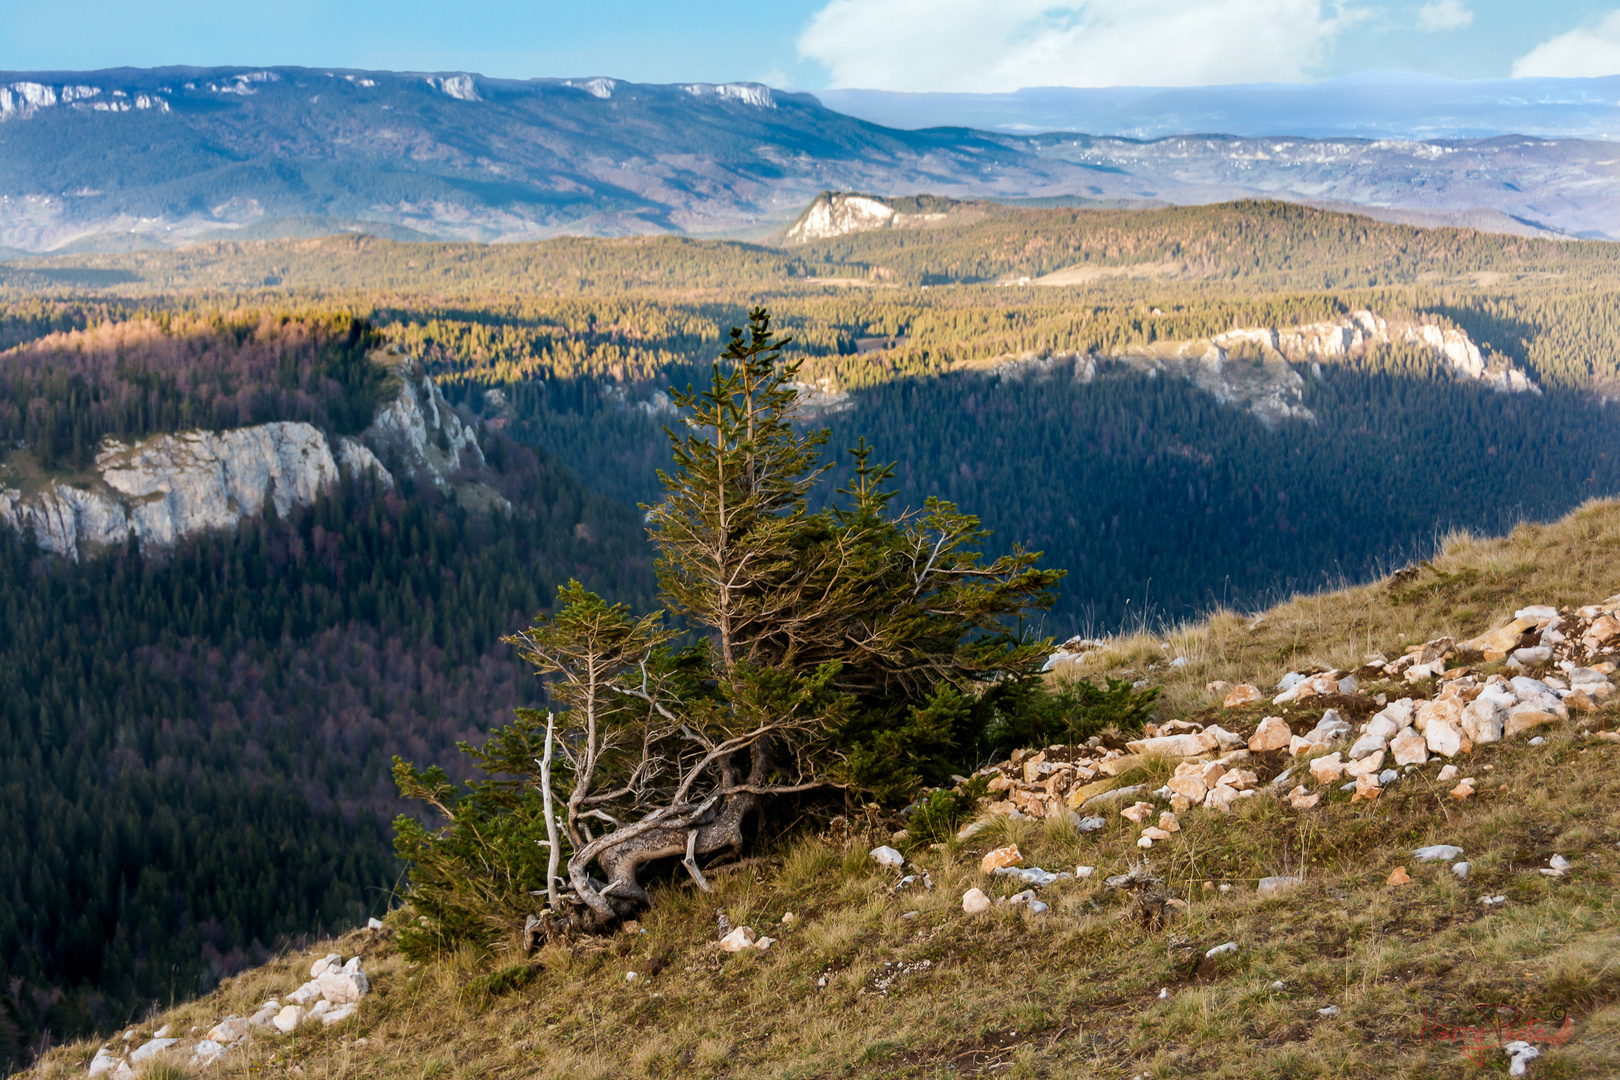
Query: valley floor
1343,975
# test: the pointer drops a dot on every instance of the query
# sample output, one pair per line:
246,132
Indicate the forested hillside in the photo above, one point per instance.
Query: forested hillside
1245,246
196,744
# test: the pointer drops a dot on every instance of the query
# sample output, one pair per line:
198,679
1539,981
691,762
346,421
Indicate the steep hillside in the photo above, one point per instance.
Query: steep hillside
1449,905
1226,248
110,160
199,702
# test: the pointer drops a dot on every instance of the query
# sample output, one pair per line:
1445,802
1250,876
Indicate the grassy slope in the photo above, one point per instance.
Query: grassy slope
1075,992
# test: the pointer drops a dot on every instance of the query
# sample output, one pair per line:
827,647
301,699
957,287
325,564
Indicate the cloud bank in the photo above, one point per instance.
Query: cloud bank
1445,15
986,46
1587,52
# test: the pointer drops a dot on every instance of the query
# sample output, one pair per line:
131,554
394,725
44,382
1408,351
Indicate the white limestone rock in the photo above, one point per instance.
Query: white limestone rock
228,1030
205,1052
743,937
340,1013
310,991
344,987
150,1049
1438,853
888,858
169,486
266,1014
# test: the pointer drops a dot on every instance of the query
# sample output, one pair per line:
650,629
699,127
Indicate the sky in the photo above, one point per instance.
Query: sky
910,45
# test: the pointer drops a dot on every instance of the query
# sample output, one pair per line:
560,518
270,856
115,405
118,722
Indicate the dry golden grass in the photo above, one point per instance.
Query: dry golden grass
854,988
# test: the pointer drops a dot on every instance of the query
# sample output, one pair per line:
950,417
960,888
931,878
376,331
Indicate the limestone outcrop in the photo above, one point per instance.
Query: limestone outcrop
1255,368
162,488
838,213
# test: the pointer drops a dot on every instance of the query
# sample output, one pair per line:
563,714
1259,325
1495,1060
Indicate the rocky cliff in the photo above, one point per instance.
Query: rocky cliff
165,487
1254,368
837,213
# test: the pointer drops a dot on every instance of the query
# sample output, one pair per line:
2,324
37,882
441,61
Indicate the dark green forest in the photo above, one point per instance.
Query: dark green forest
195,746
1160,502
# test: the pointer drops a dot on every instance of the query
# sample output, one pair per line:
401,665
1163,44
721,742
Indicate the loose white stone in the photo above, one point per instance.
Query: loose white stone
1030,875
1028,899
151,1049
304,995
338,1014
228,1030
975,901
344,987
1221,950
288,1018
888,857
1521,1054
1461,869
741,938
1438,853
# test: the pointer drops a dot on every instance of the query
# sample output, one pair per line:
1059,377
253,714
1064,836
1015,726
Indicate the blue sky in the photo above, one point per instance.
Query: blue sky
962,45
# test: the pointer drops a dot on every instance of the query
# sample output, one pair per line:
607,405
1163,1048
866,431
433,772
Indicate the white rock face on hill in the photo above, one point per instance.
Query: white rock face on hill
419,426
166,487
835,213
598,87
1262,379
460,87
754,94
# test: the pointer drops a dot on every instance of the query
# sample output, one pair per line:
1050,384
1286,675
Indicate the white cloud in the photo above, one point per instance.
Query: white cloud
1582,53
1445,15
1001,45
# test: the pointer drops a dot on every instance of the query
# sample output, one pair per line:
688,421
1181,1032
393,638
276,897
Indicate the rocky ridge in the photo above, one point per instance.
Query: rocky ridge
166,487
1253,368
332,995
1549,665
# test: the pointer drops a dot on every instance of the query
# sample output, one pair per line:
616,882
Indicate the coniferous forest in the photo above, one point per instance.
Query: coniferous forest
196,743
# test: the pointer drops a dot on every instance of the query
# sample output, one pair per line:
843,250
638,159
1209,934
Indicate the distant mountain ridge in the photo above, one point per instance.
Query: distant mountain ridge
131,158
1367,105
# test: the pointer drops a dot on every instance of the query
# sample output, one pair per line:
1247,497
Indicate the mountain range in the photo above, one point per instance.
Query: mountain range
129,158
1366,105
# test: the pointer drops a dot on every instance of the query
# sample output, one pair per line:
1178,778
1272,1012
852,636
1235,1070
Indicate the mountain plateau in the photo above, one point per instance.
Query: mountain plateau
161,157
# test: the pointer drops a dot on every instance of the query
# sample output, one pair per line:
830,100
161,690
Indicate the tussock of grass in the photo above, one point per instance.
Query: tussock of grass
854,989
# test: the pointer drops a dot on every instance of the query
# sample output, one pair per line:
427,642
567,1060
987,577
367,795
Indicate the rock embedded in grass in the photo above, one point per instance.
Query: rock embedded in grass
1276,886
743,937
888,857
1241,695
1271,734
1000,857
